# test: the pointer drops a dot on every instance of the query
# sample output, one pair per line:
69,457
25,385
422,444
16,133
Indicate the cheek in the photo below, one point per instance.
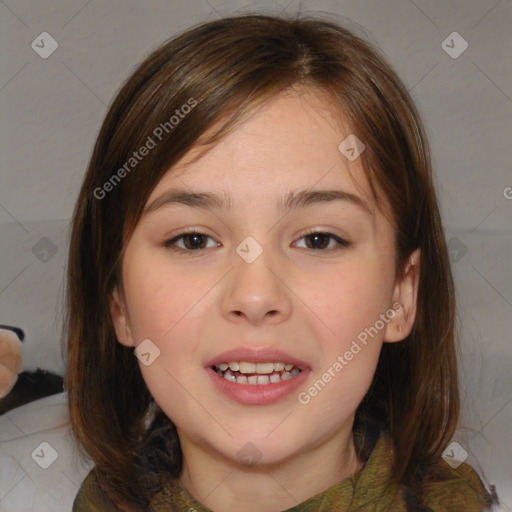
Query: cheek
163,299
167,307
347,299
337,395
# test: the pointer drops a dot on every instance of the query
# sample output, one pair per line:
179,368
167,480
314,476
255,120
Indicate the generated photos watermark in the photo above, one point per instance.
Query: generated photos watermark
137,156
304,397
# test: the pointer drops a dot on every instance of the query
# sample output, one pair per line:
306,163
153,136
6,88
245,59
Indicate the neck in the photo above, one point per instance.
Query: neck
223,485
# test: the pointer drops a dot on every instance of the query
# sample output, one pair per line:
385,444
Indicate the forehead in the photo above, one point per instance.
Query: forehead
289,143
297,116
290,130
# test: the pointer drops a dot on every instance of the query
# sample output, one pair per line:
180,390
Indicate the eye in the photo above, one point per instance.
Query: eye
195,239
319,239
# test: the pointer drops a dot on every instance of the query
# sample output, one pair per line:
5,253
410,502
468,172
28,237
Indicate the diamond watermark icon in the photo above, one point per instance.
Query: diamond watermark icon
456,249
249,454
44,45
249,250
455,455
146,352
45,455
351,147
44,250
454,45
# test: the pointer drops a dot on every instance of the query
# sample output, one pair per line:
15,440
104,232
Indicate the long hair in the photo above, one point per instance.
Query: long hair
223,70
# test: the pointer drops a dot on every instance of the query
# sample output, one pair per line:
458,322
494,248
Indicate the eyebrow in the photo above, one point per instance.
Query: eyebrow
290,201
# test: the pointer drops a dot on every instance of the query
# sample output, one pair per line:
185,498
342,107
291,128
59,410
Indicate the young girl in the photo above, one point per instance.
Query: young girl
261,307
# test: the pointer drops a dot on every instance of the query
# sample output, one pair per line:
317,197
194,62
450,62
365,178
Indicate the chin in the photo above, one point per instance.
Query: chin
260,452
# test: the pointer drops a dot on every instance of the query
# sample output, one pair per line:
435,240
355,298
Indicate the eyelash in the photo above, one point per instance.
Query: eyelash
170,244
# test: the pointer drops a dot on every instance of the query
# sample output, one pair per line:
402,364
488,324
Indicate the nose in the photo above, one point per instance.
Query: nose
257,292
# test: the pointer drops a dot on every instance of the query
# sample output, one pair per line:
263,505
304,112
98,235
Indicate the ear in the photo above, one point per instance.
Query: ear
406,295
120,320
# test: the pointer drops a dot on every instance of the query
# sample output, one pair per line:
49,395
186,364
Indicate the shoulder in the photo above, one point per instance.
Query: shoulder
92,498
457,489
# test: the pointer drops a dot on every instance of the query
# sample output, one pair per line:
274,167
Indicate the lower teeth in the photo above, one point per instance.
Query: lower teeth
257,379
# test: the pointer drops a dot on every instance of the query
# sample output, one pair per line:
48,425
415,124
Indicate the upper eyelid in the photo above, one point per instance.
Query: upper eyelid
193,231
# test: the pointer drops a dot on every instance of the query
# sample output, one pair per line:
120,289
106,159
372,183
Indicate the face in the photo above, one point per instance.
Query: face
254,280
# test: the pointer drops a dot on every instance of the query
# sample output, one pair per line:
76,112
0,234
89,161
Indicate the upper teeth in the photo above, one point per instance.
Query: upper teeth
245,367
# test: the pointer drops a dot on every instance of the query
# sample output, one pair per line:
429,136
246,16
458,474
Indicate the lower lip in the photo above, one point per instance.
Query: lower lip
257,394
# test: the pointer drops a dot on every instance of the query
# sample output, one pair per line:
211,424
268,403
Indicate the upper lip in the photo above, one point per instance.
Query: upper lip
251,355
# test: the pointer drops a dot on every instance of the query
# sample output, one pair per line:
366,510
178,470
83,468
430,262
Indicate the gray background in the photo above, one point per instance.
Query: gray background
52,110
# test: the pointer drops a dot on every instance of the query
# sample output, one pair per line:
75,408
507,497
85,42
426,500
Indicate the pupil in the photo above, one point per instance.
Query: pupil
319,235
194,236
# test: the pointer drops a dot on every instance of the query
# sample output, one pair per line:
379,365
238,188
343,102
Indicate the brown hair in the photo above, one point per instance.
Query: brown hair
228,67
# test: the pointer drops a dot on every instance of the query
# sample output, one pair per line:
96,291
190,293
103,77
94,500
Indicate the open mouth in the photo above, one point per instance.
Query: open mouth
244,372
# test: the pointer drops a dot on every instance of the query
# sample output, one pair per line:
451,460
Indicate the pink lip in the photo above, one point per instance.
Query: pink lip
251,355
257,394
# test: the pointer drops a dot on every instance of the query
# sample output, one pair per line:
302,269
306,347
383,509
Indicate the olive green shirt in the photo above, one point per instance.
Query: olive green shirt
369,490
